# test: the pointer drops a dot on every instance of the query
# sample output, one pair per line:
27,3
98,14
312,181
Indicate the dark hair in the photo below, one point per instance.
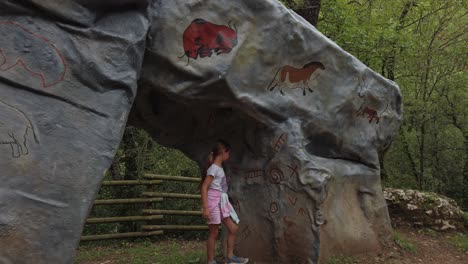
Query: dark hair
216,150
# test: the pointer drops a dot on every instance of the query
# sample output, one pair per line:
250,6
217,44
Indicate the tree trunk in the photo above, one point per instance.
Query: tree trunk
465,172
421,158
389,61
310,11
406,150
383,172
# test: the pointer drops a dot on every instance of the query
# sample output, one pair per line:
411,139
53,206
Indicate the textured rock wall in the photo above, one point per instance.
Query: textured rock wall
307,120
67,80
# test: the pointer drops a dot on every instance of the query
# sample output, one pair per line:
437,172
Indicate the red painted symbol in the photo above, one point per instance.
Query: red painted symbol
288,221
35,53
292,201
301,211
279,143
251,174
294,170
287,234
276,175
273,207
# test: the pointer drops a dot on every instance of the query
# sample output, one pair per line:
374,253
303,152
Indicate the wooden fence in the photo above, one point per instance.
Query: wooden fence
149,197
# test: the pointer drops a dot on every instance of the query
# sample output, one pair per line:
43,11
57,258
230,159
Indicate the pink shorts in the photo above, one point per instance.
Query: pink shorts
214,205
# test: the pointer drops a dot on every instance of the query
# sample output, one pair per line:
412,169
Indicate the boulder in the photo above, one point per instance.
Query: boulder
307,120
68,77
424,209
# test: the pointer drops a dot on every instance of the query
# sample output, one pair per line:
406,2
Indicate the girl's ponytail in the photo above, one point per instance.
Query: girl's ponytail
215,152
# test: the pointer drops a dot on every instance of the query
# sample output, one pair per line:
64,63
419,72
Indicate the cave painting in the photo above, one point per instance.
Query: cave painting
15,129
35,53
292,78
276,175
279,143
369,113
252,174
202,38
273,207
373,106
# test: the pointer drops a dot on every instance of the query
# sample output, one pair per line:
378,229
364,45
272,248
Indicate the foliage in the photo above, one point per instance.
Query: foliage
427,231
460,241
403,242
341,260
138,154
170,252
465,215
422,46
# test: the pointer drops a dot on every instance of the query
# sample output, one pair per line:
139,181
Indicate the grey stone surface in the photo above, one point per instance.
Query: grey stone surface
67,80
307,120
424,209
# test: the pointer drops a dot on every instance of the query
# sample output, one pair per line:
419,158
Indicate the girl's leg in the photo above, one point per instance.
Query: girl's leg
210,245
232,227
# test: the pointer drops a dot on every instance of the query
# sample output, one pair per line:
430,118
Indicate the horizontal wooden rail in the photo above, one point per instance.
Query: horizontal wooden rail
172,195
123,219
170,212
171,178
128,201
130,182
174,227
121,235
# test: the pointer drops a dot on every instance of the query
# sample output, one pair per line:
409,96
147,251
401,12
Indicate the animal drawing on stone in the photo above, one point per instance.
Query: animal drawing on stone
292,78
40,58
201,38
15,129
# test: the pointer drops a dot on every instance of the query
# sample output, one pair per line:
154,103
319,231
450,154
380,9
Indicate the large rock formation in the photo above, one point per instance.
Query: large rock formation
307,120
67,80
424,209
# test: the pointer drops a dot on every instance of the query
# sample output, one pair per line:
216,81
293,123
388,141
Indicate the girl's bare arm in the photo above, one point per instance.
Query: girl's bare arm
204,190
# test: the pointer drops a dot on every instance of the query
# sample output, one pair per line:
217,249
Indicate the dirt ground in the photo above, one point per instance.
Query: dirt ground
416,246
430,247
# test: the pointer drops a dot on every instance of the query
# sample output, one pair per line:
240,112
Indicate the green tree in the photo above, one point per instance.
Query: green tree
422,46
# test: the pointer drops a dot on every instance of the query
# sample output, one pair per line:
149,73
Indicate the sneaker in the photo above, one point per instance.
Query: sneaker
237,260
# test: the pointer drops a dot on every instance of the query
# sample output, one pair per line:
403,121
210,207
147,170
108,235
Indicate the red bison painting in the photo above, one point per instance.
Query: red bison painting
35,53
201,38
290,76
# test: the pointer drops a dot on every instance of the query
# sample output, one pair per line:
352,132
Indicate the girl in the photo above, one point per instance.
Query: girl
216,206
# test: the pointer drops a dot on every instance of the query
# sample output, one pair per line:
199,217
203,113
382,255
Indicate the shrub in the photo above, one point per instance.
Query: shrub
404,243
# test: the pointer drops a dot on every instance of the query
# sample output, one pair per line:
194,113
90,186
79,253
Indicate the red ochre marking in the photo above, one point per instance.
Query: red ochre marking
292,201
301,211
279,142
21,62
294,170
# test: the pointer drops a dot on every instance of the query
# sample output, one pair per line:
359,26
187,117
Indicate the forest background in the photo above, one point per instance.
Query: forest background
422,45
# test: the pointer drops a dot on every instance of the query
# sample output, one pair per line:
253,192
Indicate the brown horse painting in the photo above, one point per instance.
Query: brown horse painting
290,76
